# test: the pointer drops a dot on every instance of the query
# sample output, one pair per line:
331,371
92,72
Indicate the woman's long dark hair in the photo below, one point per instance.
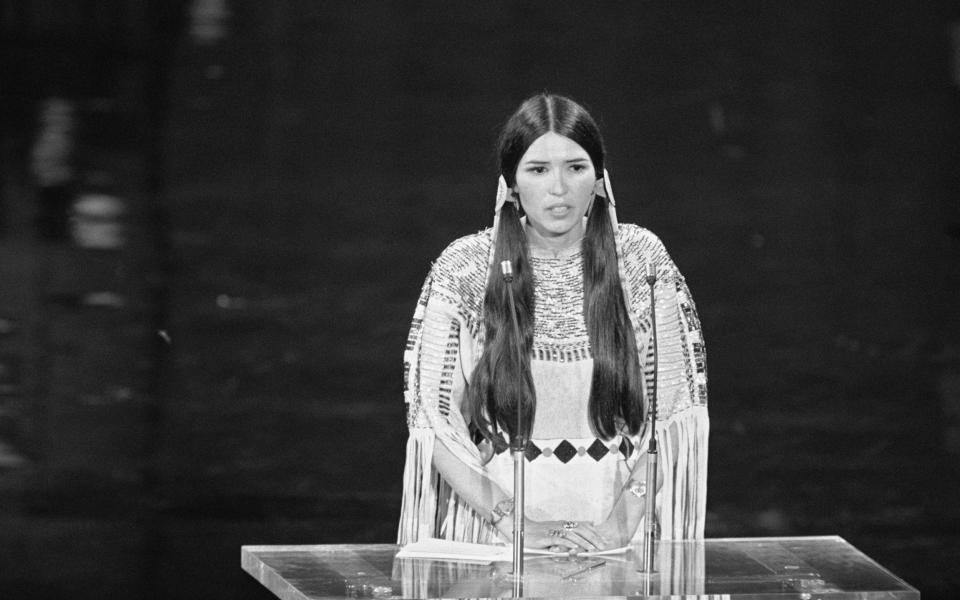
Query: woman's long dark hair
500,380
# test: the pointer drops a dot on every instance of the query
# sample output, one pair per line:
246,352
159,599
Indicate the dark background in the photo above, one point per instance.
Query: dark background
290,169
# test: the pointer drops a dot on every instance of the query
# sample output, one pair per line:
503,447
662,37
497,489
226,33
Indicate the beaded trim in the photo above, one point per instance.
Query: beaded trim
559,330
564,451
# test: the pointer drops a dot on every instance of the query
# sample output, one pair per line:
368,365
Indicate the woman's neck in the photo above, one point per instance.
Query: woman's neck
554,245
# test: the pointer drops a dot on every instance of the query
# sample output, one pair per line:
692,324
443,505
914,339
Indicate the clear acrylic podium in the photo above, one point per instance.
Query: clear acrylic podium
788,568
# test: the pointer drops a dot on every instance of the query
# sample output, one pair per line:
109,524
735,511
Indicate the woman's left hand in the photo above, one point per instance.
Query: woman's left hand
561,536
584,534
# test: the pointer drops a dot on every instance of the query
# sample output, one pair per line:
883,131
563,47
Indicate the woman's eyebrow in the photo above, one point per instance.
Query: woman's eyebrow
533,161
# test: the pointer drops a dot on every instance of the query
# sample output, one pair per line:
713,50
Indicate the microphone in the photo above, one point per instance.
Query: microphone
651,273
506,270
517,444
651,531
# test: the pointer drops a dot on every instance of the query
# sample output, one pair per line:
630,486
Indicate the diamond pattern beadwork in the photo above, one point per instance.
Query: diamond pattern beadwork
597,450
532,451
565,451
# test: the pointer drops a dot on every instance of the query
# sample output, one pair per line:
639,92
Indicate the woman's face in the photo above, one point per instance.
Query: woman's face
556,182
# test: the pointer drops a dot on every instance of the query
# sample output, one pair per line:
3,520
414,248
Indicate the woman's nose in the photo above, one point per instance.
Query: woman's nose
558,185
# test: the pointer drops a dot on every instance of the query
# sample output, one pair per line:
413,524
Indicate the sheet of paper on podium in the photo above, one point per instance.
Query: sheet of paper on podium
438,549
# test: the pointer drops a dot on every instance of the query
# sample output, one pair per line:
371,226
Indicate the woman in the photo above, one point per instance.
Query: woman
583,309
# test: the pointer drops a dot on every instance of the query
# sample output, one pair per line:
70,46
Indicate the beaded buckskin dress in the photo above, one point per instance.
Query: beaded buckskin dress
571,473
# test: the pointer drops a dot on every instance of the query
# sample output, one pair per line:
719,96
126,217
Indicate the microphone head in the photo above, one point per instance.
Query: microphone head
506,269
651,272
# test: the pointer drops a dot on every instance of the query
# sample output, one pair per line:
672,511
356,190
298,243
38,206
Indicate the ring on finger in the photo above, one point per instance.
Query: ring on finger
558,533
570,525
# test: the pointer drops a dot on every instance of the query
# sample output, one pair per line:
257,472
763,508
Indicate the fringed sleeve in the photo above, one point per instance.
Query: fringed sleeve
438,354
683,425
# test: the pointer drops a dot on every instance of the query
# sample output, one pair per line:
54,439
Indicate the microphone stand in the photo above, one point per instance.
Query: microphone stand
517,448
651,531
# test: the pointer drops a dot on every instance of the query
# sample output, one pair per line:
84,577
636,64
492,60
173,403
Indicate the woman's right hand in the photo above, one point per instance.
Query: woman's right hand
559,536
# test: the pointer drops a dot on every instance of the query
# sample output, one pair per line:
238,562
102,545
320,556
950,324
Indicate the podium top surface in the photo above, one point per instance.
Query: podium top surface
786,568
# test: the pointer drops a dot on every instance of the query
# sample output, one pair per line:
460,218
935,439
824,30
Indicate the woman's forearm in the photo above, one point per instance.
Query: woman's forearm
476,489
628,509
